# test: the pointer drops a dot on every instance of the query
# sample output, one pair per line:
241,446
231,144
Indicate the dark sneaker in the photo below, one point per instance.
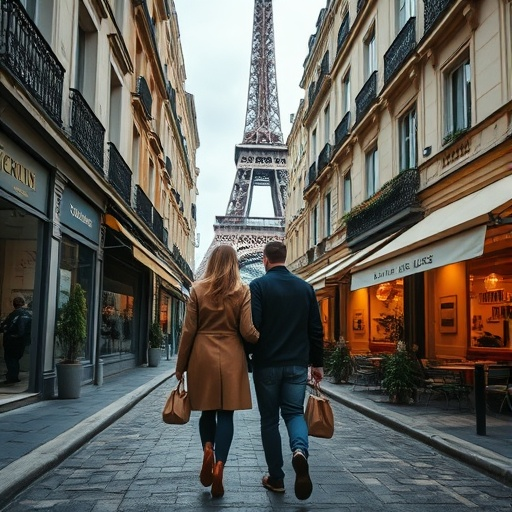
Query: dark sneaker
303,484
273,485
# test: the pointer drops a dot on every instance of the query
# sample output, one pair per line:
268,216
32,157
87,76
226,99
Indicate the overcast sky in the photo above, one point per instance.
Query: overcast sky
216,41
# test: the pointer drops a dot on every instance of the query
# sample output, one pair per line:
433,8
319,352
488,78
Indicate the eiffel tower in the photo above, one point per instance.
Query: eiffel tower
260,159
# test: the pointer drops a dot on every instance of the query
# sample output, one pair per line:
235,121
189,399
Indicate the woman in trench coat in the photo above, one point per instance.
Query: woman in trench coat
211,351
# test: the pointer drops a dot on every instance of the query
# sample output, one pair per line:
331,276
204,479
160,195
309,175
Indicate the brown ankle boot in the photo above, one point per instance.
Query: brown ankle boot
206,475
217,487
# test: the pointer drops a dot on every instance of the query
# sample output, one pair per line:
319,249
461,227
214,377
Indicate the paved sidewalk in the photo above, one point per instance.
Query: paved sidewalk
37,437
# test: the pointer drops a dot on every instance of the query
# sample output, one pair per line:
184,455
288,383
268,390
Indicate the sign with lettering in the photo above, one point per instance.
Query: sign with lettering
77,214
22,176
464,246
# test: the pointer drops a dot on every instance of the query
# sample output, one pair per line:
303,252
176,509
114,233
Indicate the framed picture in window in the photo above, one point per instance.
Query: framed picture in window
448,314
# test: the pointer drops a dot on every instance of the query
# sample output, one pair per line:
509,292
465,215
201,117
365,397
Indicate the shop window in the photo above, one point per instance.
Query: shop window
117,319
490,293
387,311
76,266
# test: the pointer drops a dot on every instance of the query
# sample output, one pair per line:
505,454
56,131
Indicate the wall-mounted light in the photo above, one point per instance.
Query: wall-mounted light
491,281
427,151
383,291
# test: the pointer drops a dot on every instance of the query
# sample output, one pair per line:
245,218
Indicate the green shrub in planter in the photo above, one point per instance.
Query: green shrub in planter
401,376
156,335
71,326
338,363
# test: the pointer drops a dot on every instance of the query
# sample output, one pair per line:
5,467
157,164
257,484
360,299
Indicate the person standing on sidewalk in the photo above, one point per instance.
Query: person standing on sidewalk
212,353
16,328
286,313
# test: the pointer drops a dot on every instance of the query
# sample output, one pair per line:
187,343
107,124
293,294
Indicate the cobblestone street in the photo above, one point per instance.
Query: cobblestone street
141,464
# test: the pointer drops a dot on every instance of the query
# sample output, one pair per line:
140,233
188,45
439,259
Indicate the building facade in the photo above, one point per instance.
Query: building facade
400,204
98,176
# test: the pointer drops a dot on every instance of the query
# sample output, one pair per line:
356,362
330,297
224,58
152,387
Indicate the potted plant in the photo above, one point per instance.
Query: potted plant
71,331
156,338
401,376
338,363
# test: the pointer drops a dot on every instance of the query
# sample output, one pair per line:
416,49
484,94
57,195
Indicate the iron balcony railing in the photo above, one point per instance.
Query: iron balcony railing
316,86
27,55
240,220
145,95
343,32
158,225
434,11
312,175
401,48
144,207
119,174
324,157
395,196
87,133
181,262
168,166
360,4
366,96
342,131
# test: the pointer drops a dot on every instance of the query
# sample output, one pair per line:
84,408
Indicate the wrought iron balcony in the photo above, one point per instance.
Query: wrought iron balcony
343,32
324,158
145,95
366,96
401,48
87,133
27,55
434,11
119,174
315,87
342,131
182,264
395,196
158,225
312,175
144,207
360,4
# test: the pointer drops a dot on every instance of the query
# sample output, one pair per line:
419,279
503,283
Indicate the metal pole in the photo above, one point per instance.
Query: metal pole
480,407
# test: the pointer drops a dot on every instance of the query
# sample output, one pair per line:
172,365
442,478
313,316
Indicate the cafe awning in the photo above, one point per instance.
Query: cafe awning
318,280
453,233
140,253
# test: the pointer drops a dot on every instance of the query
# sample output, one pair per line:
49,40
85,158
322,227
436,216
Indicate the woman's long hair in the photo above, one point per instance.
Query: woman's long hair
222,273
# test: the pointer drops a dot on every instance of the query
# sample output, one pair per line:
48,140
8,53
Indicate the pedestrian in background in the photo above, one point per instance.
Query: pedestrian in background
17,331
285,312
211,351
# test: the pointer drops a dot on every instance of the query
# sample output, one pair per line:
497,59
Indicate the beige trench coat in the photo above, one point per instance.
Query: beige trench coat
212,353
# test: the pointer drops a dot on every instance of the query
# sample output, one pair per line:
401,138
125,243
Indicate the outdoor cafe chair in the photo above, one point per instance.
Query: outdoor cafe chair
498,385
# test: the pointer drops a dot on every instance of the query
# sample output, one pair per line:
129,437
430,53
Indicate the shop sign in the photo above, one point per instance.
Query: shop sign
77,214
21,176
464,246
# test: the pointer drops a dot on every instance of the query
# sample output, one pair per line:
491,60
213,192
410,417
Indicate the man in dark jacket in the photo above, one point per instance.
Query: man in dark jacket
16,328
285,312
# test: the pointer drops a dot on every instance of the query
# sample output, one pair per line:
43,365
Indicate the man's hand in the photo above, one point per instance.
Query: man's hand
317,374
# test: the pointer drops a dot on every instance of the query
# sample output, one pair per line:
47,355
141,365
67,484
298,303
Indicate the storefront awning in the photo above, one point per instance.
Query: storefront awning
140,253
318,280
453,233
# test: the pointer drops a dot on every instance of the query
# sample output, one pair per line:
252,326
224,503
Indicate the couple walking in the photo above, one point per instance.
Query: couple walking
278,315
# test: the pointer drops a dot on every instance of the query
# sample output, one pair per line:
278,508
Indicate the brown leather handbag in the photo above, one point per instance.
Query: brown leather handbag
177,407
318,415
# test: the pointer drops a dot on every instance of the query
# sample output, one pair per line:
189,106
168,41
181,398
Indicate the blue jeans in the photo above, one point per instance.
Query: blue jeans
281,389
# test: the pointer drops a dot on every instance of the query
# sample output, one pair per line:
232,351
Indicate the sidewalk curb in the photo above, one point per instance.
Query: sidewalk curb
484,460
19,474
